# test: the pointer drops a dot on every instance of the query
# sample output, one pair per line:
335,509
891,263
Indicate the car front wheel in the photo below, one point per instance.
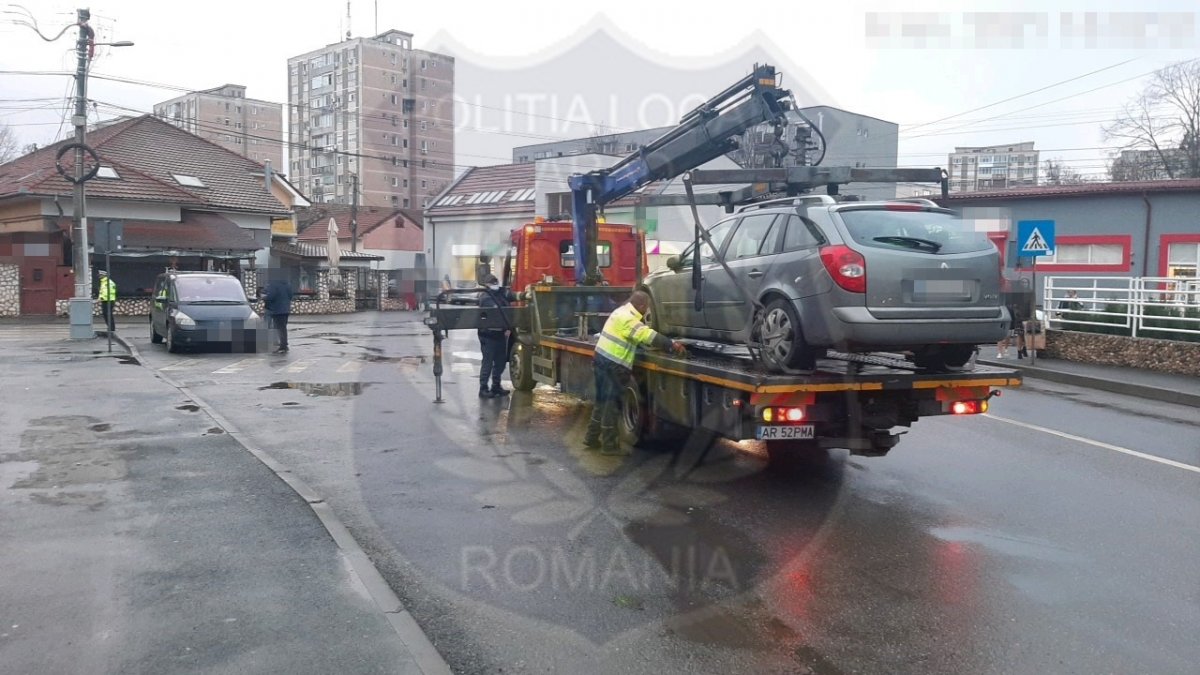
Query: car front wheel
782,339
172,344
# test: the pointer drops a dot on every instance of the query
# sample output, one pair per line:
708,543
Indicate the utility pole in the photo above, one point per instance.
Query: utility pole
354,212
81,305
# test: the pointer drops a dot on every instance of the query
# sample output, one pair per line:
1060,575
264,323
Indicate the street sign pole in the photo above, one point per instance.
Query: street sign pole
1035,238
1033,322
112,310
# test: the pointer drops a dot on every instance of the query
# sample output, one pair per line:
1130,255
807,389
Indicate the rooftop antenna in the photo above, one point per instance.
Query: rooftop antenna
377,17
348,23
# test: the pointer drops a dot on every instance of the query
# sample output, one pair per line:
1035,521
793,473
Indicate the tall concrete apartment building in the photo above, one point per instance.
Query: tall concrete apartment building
376,109
993,167
223,115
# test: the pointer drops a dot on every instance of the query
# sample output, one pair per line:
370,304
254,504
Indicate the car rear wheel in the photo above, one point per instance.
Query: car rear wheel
155,338
782,339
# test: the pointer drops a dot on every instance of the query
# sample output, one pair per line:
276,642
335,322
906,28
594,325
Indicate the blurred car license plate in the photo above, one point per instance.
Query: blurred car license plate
941,287
781,432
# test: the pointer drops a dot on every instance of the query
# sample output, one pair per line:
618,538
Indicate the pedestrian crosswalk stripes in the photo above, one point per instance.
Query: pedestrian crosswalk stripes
297,366
235,367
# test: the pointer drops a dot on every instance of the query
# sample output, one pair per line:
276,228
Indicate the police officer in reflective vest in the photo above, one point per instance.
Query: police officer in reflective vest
107,295
613,364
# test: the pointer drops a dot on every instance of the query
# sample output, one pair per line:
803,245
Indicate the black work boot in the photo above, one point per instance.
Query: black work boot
498,391
484,393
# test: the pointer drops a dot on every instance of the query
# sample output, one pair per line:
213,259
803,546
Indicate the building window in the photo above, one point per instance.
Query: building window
424,147
1179,255
1089,253
394,99
395,181
406,183
424,125
406,202
424,184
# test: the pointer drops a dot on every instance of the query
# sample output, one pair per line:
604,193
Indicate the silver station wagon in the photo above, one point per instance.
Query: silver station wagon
896,276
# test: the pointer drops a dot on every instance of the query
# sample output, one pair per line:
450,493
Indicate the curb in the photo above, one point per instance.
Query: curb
419,646
1126,388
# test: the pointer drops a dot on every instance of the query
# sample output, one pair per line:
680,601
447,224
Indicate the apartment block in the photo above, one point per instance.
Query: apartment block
223,115
375,109
993,167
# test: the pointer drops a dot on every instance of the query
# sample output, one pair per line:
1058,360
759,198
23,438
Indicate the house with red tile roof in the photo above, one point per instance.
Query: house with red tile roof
183,201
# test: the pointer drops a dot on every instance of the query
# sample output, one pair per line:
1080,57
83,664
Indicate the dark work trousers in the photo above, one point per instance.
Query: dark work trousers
106,307
495,357
610,379
279,325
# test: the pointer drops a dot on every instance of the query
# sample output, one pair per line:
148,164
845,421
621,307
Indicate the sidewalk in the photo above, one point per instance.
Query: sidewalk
1149,384
140,536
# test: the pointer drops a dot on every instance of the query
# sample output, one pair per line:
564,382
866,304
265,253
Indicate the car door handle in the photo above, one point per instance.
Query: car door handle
754,274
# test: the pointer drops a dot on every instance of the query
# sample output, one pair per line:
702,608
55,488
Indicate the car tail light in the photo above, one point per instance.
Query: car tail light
847,267
782,415
968,407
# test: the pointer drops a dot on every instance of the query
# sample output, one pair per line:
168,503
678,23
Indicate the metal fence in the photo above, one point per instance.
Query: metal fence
1154,307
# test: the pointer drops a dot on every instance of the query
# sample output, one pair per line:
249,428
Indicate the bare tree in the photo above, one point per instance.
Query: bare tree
1057,173
9,146
1165,119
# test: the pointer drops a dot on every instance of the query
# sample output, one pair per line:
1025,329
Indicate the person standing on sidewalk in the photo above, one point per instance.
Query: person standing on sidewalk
107,294
278,306
613,364
493,342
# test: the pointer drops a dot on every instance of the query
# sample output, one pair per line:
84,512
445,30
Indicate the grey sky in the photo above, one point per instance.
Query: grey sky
201,45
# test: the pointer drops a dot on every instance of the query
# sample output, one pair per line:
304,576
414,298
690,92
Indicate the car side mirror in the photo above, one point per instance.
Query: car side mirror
673,263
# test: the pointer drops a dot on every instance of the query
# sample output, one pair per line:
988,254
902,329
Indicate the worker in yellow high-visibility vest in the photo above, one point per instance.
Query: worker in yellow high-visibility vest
613,364
108,299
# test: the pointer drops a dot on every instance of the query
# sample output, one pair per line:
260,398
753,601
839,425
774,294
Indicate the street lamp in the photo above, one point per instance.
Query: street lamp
81,308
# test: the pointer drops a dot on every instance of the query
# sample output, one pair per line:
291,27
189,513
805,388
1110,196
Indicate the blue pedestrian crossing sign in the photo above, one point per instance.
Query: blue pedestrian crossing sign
1035,238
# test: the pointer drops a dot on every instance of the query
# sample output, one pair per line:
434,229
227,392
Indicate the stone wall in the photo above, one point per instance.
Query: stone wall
1167,356
387,304
10,290
124,307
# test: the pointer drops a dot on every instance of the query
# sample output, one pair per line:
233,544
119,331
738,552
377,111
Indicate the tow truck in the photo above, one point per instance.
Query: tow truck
850,401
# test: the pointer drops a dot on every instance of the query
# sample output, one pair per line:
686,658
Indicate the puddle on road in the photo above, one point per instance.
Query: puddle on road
100,427
321,388
189,407
404,360
216,431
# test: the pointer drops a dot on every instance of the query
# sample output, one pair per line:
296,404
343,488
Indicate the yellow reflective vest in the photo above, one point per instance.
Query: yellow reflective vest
108,290
623,333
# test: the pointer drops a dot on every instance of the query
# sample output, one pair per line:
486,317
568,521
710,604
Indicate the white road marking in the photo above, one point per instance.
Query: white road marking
236,367
467,356
183,364
1098,444
350,367
297,367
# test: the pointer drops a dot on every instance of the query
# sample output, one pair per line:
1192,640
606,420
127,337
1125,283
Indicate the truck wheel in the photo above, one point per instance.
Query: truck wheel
782,339
633,424
520,367
939,357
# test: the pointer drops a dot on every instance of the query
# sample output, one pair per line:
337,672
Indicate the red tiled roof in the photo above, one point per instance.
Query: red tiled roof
1079,190
197,231
508,180
150,151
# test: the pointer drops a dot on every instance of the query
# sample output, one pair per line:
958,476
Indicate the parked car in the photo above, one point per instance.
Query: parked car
900,276
194,308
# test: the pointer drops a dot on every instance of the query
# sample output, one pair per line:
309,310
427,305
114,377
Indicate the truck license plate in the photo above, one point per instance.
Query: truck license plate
780,432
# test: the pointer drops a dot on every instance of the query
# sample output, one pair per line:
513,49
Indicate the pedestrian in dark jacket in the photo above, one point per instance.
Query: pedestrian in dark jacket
493,342
278,305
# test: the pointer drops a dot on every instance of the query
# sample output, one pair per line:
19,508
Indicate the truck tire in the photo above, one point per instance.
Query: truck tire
520,367
787,345
633,424
940,357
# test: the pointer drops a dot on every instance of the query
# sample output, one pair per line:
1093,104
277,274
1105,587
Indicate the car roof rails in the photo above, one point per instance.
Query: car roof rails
916,200
793,201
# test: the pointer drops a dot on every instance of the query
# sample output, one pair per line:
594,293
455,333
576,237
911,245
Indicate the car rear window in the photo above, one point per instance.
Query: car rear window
199,289
928,231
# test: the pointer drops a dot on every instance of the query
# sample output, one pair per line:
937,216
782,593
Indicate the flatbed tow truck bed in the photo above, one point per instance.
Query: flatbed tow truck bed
852,401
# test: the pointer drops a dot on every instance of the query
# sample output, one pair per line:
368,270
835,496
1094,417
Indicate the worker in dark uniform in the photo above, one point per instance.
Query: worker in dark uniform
493,342
278,307
616,348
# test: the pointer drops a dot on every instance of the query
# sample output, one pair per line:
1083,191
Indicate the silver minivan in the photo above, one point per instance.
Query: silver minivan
900,276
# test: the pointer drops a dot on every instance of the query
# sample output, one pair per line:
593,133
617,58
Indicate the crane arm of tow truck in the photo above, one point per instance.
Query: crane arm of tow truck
703,134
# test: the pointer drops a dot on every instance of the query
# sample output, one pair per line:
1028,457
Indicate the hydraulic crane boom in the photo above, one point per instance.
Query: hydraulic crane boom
703,134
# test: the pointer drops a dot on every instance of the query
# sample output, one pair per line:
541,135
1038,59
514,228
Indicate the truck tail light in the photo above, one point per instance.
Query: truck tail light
968,407
847,267
782,415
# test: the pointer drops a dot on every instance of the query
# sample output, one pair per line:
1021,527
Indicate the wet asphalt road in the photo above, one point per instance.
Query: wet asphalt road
978,545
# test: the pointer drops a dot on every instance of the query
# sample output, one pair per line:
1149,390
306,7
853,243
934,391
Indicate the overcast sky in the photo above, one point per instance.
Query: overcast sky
852,54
